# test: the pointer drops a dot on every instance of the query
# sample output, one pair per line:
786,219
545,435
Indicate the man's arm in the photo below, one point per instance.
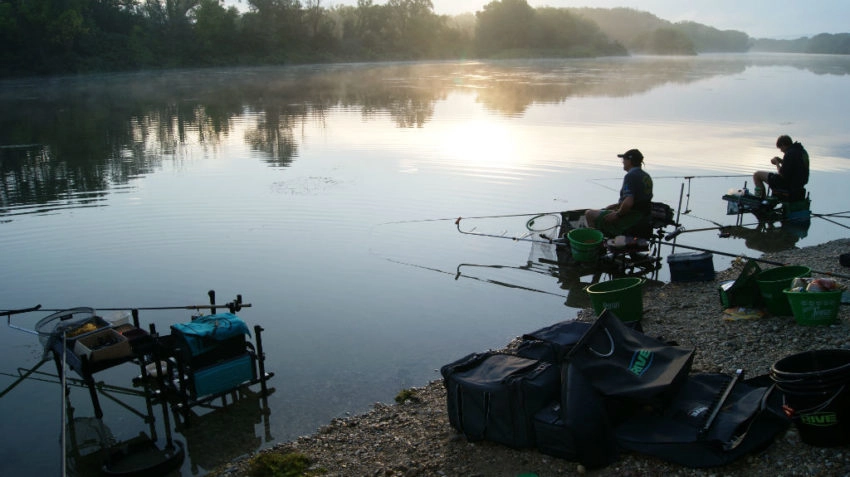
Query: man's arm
624,206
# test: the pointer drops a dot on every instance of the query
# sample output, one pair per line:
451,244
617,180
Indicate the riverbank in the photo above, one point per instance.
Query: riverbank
414,438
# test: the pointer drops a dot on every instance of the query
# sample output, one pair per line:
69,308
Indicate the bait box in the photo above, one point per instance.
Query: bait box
103,345
691,267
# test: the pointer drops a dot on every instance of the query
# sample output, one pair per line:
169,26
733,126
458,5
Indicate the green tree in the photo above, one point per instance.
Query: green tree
665,41
504,25
216,31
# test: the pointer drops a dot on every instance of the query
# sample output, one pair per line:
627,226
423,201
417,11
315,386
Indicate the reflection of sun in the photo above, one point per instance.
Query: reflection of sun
483,143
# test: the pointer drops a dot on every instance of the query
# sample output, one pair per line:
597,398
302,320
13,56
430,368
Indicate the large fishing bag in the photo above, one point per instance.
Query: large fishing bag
553,342
627,366
495,396
746,421
576,427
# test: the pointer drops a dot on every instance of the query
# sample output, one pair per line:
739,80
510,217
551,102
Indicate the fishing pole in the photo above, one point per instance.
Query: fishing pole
760,260
523,238
142,308
834,214
458,274
445,219
722,228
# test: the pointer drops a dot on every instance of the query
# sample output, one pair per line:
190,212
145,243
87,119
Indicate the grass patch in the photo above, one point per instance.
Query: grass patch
405,395
273,464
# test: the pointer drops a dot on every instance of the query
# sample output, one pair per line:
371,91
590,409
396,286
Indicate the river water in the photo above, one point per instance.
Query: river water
327,197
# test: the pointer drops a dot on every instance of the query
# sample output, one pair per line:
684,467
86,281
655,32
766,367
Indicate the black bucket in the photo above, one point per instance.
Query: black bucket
816,386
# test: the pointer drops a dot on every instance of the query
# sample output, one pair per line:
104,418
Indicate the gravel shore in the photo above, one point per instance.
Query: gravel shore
414,438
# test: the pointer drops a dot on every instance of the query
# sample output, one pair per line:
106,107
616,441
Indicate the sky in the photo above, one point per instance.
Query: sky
779,19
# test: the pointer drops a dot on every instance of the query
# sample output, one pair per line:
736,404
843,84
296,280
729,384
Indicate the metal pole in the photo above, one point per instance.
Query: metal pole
62,441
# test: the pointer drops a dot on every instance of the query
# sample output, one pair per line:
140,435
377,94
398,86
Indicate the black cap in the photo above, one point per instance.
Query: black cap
633,155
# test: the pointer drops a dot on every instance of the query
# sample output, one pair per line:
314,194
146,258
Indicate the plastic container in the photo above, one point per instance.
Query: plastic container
622,296
774,281
122,317
691,267
814,308
816,389
585,244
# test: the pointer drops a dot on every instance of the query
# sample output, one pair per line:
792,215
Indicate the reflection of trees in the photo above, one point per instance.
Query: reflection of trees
92,133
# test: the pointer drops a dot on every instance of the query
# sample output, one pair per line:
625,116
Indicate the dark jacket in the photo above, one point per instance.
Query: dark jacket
795,167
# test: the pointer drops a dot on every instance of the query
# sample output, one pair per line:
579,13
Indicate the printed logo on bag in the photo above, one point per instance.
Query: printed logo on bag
641,361
820,419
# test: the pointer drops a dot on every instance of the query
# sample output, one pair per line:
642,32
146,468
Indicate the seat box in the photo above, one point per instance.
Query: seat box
224,376
103,345
691,267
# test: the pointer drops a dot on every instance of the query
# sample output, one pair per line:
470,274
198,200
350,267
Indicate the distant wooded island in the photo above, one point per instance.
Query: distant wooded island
50,37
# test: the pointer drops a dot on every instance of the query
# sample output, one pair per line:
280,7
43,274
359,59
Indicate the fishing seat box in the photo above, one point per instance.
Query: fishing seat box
492,396
691,267
223,376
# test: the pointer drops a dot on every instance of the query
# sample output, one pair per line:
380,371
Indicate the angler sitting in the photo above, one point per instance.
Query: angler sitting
792,172
634,207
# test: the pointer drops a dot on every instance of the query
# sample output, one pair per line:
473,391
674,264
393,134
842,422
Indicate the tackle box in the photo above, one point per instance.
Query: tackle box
103,345
691,267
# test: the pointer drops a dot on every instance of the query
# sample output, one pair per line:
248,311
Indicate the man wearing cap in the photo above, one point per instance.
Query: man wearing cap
635,199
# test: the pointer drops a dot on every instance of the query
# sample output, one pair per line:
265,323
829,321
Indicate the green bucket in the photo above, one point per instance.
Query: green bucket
774,281
622,296
585,244
814,308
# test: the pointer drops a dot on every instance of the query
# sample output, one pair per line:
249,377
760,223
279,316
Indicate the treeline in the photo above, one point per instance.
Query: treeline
825,43
643,32
74,36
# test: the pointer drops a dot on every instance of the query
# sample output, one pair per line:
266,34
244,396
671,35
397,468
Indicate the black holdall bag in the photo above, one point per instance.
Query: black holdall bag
495,396
553,342
627,365
712,421
577,427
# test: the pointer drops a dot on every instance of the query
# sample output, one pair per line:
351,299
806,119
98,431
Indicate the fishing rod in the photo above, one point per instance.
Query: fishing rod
458,274
523,238
22,377
722,228
446,219
155,308
760,260
831,221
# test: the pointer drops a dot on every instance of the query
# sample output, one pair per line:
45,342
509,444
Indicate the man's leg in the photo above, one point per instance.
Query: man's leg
590,215
759,180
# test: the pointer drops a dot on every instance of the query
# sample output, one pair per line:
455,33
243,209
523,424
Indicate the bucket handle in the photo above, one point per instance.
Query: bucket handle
609,353
794,412
640,283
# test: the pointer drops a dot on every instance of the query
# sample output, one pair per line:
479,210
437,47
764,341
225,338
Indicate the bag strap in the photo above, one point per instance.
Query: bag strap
610,341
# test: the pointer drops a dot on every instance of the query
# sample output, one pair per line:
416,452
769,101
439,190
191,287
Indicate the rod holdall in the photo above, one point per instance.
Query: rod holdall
627,365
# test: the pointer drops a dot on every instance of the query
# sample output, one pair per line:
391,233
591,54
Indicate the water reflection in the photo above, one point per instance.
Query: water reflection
768,238
65,141
213,436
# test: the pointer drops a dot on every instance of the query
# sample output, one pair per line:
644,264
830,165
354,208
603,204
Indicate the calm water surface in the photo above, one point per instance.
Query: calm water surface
327,196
